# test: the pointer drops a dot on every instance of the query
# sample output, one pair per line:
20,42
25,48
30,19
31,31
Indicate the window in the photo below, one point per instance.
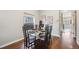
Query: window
29,19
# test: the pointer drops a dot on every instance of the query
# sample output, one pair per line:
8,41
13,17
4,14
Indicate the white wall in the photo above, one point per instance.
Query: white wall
11,24
78,27
55,14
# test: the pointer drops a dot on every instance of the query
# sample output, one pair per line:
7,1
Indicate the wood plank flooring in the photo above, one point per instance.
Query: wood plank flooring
16,45
55,43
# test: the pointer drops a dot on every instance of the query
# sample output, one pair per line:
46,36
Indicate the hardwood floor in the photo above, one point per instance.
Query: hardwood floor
15,45
55,43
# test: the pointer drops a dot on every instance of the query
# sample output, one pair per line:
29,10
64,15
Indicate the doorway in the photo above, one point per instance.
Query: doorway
67,27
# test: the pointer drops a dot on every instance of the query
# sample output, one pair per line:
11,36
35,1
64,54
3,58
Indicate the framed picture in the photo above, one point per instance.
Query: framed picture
49,19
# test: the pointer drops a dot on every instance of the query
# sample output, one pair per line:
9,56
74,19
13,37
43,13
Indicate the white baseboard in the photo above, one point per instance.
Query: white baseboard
55,35
7,44
77,42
